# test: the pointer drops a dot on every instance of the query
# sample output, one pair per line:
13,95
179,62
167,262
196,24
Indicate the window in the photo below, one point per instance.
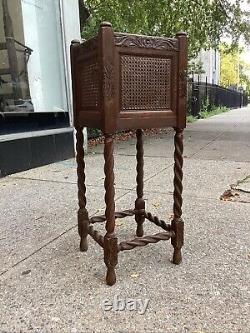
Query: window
32,67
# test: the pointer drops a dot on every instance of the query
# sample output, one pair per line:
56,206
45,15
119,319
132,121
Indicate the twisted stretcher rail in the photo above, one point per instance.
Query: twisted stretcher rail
157,221
142,241
132,212
118,215
96,236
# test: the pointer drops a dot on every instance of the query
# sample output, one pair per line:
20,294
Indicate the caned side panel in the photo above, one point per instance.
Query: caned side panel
145,83
88,84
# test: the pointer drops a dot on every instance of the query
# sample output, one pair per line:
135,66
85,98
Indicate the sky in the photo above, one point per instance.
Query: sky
246,55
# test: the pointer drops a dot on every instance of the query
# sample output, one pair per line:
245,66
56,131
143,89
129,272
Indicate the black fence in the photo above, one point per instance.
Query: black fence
201,93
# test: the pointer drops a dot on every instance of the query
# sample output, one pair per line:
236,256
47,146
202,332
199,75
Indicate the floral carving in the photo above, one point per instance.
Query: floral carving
108,87
183,84
145,42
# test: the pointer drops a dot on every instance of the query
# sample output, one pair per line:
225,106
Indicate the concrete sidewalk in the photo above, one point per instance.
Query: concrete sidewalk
47,285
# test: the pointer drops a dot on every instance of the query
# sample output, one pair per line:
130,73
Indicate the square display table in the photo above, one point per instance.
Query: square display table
124,81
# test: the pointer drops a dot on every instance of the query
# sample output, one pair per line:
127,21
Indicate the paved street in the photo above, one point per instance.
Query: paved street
47,285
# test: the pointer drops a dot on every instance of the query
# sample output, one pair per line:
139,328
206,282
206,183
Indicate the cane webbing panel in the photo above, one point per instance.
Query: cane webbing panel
89,85
145,83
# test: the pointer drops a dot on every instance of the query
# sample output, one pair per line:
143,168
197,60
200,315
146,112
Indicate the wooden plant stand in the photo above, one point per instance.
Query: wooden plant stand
123,81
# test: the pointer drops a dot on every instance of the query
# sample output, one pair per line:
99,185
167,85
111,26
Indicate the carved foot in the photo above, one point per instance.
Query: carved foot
83,227
177,241
110,258
139,230
110,277
84,244
177,257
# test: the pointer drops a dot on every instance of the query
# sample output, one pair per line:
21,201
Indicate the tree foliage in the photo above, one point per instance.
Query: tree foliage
195,67
205,21
234,71
245,76
229,66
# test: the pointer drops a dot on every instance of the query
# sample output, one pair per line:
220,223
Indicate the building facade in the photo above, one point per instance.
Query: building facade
209,61
35,81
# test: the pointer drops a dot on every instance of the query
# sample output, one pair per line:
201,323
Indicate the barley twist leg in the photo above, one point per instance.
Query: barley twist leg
110,239
139,203
83,218
177,224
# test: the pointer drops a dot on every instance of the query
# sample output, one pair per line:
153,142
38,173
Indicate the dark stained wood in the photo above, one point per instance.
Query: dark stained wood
177,223
182,81
143,241
96,236
124,81
139,203
107,69
145,42
157,221
118,215
109,183
83,218
73,47
161,119
146,73
110,239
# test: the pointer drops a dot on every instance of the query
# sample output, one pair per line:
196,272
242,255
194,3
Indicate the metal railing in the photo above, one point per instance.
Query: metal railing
200,93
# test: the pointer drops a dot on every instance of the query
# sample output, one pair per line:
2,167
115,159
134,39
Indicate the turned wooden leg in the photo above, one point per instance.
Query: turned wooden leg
83,218
139,203
110,239
177,222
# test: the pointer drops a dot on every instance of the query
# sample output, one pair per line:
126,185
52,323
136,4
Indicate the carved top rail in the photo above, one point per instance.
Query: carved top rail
149,42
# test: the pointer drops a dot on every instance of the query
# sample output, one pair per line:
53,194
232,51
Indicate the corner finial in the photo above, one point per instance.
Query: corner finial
181,33
105,24
75,41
